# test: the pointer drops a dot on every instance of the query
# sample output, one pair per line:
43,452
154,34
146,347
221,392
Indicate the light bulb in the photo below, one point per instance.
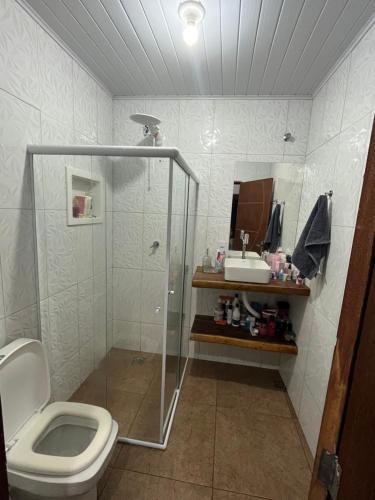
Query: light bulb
190,34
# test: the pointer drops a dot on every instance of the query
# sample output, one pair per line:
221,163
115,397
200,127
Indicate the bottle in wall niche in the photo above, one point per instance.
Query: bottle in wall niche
206,262
236,316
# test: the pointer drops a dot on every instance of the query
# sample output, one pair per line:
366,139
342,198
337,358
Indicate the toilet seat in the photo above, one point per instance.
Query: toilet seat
21,456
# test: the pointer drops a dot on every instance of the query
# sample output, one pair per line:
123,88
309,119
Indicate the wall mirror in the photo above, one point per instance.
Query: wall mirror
261,190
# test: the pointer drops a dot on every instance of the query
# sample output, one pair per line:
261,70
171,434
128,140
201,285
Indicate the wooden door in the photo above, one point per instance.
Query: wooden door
346,405
253,212
356,448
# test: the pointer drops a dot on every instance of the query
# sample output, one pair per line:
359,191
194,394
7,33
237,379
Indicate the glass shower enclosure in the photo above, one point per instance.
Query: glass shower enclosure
114,257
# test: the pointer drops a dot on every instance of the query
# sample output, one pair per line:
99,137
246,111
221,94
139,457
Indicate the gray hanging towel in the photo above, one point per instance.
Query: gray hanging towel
271,242
313,244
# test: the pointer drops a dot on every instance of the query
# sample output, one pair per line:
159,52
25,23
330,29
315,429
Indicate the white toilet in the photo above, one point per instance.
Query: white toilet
57,450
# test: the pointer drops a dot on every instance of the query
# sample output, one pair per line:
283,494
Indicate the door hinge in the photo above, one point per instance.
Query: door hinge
330,472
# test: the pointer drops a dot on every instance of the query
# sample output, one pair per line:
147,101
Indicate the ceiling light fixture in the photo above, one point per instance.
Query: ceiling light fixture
191,13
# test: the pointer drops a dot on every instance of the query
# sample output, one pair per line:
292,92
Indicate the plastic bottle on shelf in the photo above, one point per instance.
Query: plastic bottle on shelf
236,316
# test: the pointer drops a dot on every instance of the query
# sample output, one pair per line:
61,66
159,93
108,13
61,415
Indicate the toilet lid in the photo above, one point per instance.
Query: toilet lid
24,383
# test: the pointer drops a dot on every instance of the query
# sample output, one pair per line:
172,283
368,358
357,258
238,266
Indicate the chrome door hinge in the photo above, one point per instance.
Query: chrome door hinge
330,472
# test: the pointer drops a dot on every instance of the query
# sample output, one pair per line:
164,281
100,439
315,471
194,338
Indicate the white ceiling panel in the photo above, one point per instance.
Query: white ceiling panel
245,47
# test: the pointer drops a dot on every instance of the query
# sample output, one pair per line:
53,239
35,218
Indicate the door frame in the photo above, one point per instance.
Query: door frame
350,323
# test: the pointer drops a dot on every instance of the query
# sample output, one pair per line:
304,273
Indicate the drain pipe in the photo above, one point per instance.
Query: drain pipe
250,309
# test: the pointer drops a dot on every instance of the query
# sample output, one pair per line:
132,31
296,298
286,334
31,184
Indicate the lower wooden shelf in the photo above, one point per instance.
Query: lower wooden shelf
204,329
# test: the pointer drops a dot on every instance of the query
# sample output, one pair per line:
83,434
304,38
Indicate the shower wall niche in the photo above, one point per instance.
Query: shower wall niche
114,291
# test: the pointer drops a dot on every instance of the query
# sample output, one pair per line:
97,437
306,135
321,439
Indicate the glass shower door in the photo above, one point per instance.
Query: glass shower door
177,217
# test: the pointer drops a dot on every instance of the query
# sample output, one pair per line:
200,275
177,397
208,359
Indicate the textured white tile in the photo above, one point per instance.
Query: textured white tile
23,323
85,109
19,63
156,186
318,176
126,294
63,315
54,167
19,125
200,240
105,125
319,358
86,311
128,184
61,257
127,132
83,251
127,240
200,163
179,190
334,101
298,123
99,247
45,331
317,120
127,335
102,166
56,80
153,284
360,94
109,239
232,122
152,338
267,130
100,317
217,230
293,380
221,185
86,360
196,125
3,335
17,259
349,170
168,112
2,311
41,238
329,289
154,229
310,417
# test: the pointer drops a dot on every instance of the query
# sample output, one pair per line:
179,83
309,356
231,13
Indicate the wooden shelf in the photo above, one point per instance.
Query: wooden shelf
204,329
215,280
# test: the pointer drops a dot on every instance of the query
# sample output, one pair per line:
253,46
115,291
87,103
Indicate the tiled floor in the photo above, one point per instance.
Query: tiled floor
128,384
234,437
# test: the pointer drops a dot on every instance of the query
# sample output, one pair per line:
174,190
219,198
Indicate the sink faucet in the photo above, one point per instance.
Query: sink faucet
245,241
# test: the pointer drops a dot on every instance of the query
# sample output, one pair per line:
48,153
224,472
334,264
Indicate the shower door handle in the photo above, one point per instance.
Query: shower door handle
171,292
157,310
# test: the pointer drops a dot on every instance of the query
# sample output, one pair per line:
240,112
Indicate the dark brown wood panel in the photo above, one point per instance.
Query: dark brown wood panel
253,212
350,322
356,449
204,329
216,280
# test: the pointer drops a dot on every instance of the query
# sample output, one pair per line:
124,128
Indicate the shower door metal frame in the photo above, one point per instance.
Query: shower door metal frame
140,152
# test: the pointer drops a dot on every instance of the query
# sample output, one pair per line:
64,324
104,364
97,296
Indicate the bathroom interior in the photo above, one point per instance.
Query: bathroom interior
181,212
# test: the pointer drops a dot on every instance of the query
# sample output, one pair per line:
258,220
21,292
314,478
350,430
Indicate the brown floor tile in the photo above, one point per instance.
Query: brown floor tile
103,481
134,486
260,455
228,495
190,451
252,396
198,390
123,407
92,391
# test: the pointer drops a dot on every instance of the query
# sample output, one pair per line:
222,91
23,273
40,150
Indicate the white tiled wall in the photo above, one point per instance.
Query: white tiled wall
46,97
213,135
341,123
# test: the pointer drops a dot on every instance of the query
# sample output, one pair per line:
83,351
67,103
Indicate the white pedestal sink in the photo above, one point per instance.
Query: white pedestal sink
237,254
247,270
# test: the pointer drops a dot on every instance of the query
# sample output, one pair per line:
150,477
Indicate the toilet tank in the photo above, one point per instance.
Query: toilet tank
24,383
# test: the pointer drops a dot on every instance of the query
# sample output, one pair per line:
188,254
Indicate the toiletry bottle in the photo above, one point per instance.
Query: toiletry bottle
281,274
206,262
236,317
263,327
229,314
220,258
236,301
271,327
218,311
